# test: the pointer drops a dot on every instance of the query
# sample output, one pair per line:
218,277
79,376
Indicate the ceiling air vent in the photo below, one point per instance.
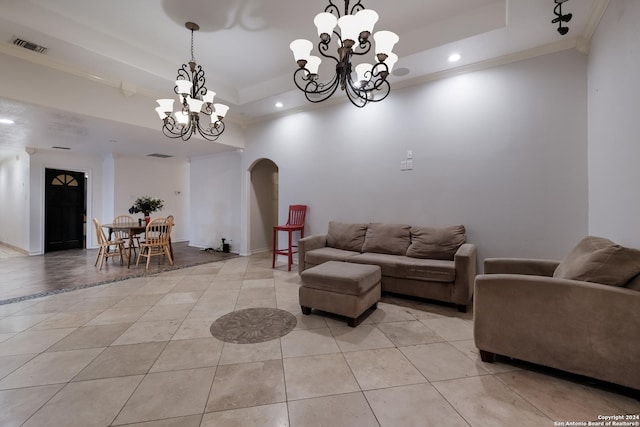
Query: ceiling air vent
57,147
28,45
160,156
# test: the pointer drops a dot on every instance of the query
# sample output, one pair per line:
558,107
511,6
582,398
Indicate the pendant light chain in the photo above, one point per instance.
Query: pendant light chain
193,59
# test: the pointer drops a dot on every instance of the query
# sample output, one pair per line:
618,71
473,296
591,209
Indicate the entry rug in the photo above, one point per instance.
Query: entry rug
253,325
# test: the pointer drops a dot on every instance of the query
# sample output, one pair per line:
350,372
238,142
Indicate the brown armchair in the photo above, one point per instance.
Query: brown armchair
522,311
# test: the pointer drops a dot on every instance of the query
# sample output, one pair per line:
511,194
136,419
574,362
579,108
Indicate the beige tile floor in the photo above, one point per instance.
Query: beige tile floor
139,353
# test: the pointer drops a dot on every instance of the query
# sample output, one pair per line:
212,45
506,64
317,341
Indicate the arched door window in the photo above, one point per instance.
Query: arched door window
64,179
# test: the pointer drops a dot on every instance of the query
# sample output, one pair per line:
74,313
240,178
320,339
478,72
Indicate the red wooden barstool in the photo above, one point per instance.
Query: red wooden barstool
294,223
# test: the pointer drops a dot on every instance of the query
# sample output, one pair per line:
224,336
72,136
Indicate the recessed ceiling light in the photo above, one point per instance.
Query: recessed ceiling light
399,72
454,57
7,121
279,104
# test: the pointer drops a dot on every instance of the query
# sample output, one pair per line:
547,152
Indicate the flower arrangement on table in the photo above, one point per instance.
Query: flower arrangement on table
146,205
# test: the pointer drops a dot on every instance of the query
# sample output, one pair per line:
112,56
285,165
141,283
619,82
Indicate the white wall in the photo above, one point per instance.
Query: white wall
108,190
166,179
502,151
215,201
14,200
614,125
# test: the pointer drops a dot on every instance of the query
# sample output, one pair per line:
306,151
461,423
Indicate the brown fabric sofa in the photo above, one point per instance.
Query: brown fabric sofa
555,313
425,262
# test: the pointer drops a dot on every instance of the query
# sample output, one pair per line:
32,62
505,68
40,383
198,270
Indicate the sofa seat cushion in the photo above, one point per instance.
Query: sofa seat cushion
342,277
403,267
599,260
322,255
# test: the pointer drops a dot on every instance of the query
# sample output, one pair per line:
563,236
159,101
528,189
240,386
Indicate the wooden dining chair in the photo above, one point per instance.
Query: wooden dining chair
130,242
107,248
170,218
156,241
295,222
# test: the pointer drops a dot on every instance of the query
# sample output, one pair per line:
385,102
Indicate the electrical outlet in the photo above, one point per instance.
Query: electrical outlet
409,154
403,165
409,164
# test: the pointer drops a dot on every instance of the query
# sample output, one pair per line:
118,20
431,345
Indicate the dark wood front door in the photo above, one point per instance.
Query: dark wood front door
64,210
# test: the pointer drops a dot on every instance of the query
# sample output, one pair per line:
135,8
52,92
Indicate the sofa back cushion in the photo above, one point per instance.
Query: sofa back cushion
391,239
599,260
345,236
436,243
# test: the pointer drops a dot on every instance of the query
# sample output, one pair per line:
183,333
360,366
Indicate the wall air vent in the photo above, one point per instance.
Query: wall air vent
160,156
28,45
57,147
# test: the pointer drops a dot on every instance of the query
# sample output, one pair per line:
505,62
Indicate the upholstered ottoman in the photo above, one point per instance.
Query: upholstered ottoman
342,288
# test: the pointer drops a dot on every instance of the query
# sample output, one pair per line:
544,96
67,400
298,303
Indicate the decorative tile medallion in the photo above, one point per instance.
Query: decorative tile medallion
253,325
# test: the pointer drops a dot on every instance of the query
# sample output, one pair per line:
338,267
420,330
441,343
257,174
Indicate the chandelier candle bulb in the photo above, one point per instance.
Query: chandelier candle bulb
301,49
325,23
367,18
182,117
166,104
184,87
195,105
220,110
208,97
349,29
385,40
313,64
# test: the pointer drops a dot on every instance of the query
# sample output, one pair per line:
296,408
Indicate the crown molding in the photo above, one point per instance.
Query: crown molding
597,12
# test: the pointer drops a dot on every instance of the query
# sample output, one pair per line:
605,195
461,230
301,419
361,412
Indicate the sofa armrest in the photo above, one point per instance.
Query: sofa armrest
576,326
465,262
528,266
309,243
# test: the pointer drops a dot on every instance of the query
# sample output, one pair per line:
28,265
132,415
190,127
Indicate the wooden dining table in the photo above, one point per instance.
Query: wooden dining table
132,228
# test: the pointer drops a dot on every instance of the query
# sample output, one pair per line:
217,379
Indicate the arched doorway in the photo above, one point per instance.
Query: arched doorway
263,204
